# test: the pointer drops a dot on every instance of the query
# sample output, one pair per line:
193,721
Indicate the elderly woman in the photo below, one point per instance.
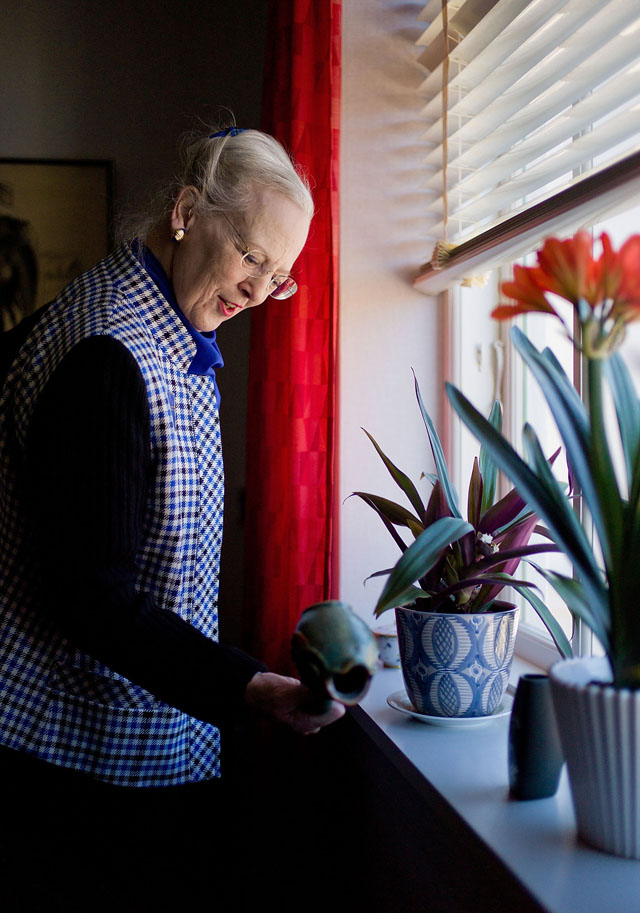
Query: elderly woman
112,487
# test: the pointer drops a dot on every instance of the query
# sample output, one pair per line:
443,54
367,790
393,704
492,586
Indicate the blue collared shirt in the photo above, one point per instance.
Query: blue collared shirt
208,356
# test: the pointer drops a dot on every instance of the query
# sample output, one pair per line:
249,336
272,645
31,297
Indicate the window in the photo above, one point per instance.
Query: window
532,117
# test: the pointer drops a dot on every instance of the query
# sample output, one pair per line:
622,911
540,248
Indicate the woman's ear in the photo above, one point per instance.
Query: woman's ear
182,212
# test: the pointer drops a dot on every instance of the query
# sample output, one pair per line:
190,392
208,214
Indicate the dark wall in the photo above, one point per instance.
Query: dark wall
121,80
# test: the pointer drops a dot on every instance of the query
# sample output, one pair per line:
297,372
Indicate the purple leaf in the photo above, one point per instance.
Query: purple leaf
522,551
468,548
515,538
437,506
479,581
431,580
507,508
499,605
474,499
503,511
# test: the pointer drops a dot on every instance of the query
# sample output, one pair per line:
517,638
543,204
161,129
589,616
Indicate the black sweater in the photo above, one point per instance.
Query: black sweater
88,460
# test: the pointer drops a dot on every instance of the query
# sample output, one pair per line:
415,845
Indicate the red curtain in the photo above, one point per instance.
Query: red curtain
291,549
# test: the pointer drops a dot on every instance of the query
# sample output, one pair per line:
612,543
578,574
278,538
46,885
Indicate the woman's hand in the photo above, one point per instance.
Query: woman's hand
282,698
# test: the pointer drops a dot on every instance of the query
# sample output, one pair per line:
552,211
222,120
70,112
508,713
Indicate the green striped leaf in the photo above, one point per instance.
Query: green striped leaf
419,558
438,455
399,477
627,407
488,467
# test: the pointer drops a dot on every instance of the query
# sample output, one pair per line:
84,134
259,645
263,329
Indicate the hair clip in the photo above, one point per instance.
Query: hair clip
228,131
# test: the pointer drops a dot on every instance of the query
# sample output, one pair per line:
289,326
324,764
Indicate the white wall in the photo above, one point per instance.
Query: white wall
386,327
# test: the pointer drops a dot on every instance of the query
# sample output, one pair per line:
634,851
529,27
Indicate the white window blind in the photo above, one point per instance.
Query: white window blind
532,122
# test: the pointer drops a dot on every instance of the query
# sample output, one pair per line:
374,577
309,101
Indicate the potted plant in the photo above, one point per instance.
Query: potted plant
456,635
597,700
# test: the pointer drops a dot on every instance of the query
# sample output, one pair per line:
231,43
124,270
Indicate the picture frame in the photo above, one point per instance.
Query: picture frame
56,219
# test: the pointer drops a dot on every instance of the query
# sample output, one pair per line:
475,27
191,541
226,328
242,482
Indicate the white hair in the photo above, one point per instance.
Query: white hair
226,171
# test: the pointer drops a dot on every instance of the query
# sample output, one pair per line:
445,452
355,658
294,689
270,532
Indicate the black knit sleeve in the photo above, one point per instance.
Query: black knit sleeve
88,463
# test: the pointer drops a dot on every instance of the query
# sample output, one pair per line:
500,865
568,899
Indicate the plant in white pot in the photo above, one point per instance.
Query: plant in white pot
597,700
456,635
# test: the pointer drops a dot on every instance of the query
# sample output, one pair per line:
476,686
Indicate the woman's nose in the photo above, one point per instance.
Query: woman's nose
256,288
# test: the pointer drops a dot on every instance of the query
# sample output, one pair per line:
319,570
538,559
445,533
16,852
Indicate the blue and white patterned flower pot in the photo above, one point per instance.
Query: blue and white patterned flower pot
456,665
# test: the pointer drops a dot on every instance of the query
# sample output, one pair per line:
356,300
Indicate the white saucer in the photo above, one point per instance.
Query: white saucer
399,701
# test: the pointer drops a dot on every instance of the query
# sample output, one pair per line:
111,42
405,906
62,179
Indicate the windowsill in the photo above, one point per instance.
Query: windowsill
535,652
536,840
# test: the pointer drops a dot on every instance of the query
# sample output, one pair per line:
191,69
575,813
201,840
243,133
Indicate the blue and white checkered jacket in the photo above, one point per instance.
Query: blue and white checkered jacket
56,702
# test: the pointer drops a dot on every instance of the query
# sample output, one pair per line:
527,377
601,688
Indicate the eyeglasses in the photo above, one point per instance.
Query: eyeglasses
256,264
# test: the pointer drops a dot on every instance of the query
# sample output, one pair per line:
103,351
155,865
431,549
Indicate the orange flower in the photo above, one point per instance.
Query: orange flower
609,266
626,297
568,269
526,291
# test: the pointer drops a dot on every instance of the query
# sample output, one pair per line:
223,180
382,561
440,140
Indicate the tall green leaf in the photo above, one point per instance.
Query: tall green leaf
557,514
627,410
572,422
549,621
595,614
488,467
633,515
438,456
573,396
542,469
603,472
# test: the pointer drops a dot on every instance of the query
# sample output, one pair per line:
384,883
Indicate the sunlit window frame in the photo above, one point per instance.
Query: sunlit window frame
462,330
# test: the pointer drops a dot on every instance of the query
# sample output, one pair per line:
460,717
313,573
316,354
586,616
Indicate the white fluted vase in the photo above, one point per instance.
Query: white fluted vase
599,729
